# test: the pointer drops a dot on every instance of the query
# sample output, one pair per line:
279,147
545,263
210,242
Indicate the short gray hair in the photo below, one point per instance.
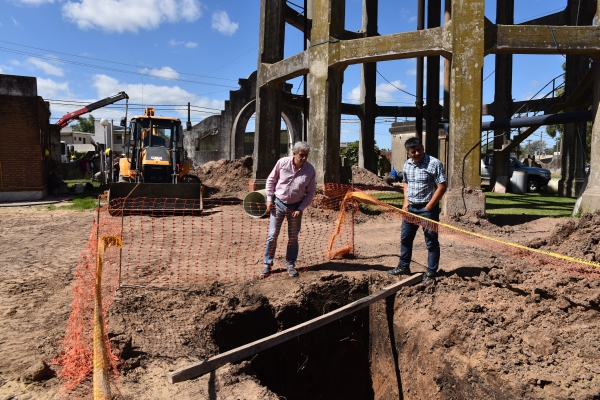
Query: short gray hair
300,145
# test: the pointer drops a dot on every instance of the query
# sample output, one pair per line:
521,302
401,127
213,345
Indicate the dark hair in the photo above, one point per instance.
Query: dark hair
412,142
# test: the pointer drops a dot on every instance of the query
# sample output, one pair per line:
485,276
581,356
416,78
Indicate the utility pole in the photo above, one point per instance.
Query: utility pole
528,146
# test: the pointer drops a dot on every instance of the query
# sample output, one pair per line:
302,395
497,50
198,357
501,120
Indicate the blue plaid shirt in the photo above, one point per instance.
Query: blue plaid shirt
422,178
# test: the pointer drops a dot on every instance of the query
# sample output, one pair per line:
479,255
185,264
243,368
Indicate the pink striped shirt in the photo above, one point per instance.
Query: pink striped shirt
290,185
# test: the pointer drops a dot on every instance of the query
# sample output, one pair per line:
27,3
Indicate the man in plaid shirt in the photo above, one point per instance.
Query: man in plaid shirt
424,185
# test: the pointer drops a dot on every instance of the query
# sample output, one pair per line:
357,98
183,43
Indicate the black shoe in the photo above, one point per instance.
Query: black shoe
428,277
399,271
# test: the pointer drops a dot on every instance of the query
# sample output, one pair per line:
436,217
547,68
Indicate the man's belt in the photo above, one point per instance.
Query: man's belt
419,205
287,204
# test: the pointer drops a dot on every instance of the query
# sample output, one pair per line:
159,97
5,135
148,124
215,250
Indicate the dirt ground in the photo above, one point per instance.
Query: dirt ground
491,326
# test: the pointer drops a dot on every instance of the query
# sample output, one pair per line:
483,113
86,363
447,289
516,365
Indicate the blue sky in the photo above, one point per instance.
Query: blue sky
165,53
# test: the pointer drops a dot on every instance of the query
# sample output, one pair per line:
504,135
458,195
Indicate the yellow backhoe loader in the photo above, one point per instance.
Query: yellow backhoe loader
153,175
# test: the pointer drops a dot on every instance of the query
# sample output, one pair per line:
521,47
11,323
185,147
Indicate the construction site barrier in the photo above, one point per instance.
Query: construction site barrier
222,244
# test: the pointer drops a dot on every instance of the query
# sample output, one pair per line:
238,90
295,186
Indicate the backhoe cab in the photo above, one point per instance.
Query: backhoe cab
154,168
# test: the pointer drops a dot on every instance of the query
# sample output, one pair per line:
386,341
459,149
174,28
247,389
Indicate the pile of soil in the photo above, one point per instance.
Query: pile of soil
360,176
575,238
224,178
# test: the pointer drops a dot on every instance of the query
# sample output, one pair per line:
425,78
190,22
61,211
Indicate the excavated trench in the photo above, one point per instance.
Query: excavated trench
331,362
394,349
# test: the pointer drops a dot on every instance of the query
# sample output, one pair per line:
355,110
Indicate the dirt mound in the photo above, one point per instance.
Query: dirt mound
575,238
515,328
359,176
224,178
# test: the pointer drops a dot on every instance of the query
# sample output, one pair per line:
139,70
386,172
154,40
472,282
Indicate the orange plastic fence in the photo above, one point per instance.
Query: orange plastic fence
223,243
179,246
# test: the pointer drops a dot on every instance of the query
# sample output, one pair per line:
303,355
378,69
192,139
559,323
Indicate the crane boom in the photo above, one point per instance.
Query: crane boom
64,121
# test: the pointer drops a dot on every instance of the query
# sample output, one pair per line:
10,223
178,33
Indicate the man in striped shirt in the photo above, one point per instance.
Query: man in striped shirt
424,185
290,189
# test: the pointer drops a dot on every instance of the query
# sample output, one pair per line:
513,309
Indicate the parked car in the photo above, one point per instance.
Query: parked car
536,177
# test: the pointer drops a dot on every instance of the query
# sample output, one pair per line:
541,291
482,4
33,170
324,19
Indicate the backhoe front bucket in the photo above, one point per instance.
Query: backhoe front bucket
160,199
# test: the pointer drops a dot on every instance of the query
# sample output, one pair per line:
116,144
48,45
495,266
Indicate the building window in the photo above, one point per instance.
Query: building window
83,140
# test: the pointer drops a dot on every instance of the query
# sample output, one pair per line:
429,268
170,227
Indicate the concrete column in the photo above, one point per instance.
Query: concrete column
590,201
447,65
268,98
325,90
419,77
505,10
368,86
433,85
464,182
573,143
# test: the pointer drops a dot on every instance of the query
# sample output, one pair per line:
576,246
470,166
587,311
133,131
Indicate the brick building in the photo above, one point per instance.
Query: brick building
30,146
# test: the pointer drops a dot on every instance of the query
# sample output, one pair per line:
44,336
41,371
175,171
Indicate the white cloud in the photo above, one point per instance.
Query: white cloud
129,15
222,23
15,22
164,72
49,69
51,89
15,62
384,92
149,95
189,45
1,71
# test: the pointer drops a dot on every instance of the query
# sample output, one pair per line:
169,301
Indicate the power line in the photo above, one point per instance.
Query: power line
403,91
77,102
110,69
107,61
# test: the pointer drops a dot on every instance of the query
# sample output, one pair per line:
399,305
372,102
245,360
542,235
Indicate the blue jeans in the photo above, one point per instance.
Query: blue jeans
281,212
407,238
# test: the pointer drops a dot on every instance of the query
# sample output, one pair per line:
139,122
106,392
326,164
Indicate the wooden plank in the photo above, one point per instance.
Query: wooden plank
197,369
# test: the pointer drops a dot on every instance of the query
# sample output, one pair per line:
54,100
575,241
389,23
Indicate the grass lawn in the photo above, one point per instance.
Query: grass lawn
497,204
78,204
530,204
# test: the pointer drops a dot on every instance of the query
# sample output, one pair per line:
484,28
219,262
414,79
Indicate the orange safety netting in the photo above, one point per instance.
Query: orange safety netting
223,243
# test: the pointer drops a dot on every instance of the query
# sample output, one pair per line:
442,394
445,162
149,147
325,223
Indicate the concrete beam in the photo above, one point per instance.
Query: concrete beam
284,70
296,19
464,193
400,112
538,39
428,42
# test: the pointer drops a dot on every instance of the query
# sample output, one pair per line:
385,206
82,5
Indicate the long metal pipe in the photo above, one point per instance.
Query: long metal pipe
548,119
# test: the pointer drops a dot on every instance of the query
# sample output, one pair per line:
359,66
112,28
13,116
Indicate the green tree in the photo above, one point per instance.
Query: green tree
351,153
85,124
